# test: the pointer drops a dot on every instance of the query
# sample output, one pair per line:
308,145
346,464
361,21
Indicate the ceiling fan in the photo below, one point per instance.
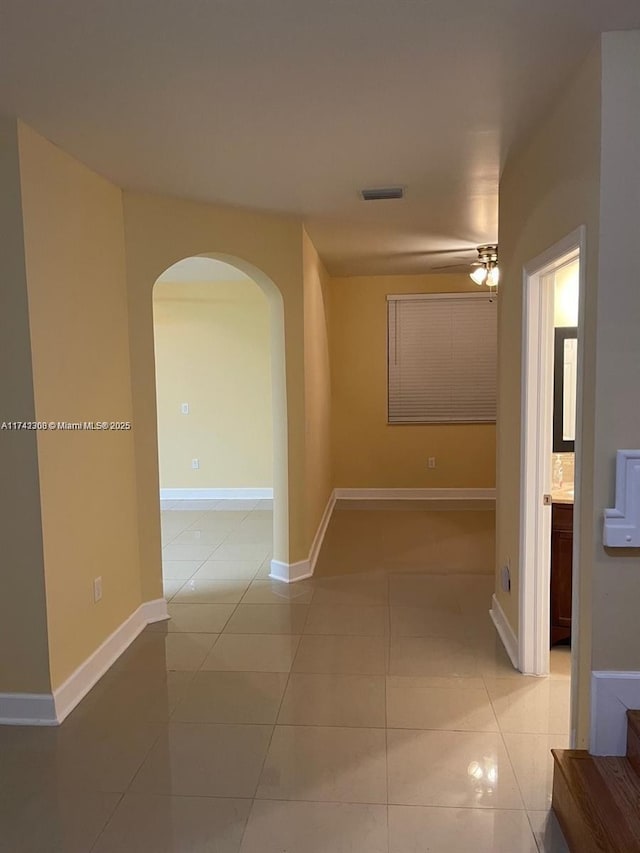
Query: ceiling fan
482,260
487,270
427,254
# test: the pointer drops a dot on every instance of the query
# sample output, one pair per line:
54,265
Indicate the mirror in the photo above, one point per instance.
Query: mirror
565,367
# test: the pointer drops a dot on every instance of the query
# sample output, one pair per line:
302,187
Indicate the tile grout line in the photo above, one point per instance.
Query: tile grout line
200,669
538,847
164,727
386,708
509,758
107,823
259,775
266,754
288,681
508,754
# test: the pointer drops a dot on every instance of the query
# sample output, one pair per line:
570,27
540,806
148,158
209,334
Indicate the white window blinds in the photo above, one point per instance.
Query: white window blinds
442,358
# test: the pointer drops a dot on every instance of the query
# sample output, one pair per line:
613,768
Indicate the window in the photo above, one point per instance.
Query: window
442,358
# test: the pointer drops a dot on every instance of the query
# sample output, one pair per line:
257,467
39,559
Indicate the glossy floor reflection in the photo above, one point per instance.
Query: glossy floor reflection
370,709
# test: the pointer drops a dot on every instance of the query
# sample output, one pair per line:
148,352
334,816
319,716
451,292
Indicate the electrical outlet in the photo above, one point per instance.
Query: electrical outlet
505,576
195,463
431,462
97,590
184,408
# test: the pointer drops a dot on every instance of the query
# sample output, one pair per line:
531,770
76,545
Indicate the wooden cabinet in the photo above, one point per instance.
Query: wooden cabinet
561,568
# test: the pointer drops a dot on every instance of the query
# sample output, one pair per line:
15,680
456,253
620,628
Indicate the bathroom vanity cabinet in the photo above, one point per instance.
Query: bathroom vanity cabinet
561,569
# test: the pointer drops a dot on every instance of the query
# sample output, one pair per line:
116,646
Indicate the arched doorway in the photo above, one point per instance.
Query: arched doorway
223,311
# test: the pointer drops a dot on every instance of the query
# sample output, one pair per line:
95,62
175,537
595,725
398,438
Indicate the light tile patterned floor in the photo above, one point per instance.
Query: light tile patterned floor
370,709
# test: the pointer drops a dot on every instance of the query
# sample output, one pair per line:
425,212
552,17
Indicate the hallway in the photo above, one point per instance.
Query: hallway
370,709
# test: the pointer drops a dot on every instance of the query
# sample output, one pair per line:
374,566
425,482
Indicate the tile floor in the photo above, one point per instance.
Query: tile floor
368,710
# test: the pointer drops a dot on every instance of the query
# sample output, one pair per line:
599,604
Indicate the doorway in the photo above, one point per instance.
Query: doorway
550,493
214,392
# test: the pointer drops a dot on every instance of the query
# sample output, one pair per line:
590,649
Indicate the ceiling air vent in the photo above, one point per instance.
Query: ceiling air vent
380,193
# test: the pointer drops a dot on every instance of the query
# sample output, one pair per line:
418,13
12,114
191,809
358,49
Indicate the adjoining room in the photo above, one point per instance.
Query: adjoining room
215,428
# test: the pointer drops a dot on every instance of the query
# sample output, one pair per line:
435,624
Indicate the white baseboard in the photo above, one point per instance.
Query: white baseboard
505,631
415,494
215,494
612,694
50,709
318,539
291,572
27,709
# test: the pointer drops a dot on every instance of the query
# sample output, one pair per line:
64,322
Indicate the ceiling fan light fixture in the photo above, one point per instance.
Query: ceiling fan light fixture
487,271
479,275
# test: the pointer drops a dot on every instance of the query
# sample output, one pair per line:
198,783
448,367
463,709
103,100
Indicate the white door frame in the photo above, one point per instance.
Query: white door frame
536,450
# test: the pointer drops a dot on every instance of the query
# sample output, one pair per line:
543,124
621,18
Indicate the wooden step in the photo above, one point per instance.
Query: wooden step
633,739
597,802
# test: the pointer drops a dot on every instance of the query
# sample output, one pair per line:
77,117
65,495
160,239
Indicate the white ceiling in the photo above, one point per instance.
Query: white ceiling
295,105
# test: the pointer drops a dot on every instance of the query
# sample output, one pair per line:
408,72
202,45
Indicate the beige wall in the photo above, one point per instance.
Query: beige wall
616,572
24,657
367,451
319,479
159,231
74,246
579,168
212,351
549,187
91,329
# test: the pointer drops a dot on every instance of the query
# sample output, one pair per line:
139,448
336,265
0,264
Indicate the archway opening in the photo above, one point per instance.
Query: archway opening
221,425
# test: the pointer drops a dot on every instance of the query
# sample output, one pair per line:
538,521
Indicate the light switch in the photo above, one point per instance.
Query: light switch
97,589
184,408
622,522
